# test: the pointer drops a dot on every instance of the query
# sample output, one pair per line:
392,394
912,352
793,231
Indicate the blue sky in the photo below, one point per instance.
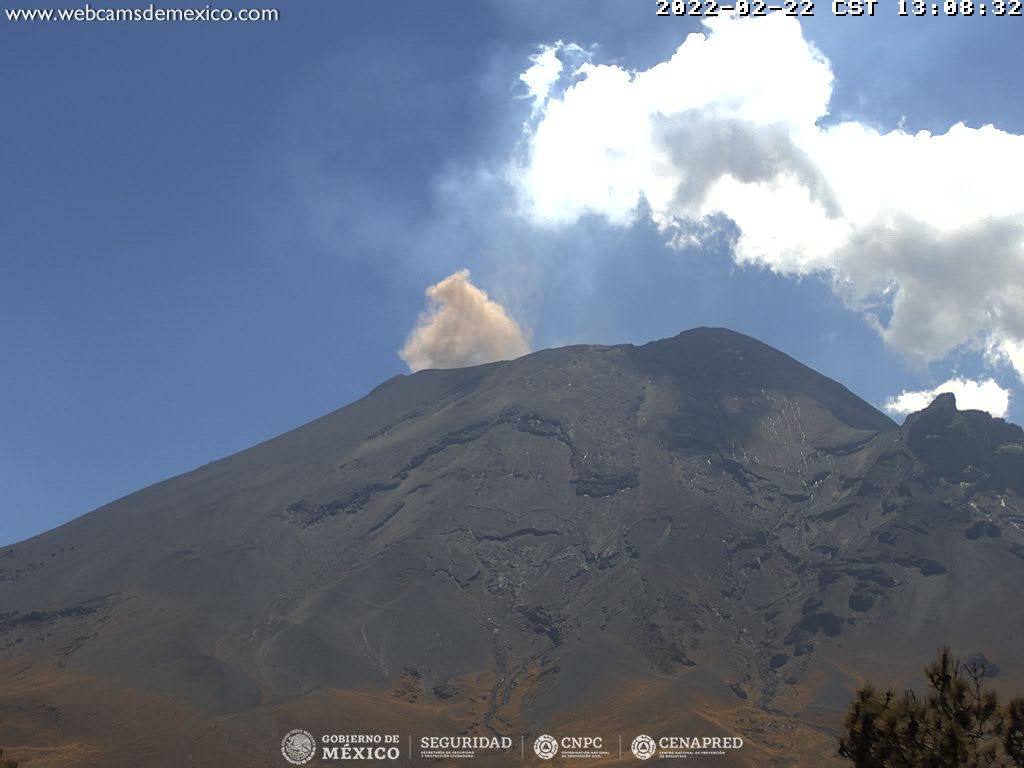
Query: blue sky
213,233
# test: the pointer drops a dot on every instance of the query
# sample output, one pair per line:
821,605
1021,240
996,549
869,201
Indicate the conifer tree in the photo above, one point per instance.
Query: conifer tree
958,724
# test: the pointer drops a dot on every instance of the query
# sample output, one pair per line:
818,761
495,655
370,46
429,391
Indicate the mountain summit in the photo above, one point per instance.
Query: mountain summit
698,535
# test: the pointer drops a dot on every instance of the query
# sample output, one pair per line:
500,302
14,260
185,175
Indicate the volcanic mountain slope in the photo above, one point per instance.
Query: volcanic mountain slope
696,536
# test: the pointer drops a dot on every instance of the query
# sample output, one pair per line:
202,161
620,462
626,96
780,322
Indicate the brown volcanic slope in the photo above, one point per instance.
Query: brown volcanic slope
695,536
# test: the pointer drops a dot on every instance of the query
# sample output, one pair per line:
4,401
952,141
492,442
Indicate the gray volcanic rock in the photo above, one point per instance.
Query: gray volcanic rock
700,532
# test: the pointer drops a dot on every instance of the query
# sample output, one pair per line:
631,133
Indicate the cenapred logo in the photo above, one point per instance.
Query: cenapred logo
546,747
643,747
298,746
683,747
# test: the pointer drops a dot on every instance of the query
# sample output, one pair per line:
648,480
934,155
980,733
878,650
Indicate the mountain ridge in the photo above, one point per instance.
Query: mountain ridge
698,530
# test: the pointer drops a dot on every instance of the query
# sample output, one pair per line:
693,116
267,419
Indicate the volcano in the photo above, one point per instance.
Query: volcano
699,536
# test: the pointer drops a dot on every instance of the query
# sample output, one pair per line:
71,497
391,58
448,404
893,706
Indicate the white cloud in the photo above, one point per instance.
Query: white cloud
927,227
462,326
984,395
1005,351
543,74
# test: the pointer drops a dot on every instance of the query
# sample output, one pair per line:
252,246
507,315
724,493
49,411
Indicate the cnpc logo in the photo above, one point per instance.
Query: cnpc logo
546,746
